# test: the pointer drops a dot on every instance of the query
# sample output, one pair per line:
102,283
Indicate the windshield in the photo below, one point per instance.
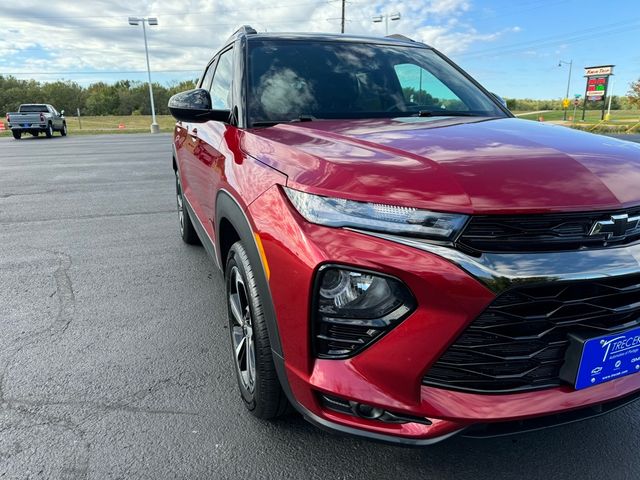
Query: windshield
33,109
294,80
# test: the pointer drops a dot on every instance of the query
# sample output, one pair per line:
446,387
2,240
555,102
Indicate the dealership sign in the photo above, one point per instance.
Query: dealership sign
598,71
597,85
597,82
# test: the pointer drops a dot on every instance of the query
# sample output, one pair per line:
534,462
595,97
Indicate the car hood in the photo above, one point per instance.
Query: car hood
467,165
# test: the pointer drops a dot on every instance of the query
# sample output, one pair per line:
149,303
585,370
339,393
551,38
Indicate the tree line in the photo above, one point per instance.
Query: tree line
530,105
121,98
127,97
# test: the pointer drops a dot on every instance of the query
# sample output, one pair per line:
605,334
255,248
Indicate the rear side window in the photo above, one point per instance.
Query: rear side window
221,86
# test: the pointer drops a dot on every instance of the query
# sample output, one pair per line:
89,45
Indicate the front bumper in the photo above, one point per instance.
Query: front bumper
388,374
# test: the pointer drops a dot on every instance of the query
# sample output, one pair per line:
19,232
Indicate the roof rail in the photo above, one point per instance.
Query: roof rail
397,36
244,30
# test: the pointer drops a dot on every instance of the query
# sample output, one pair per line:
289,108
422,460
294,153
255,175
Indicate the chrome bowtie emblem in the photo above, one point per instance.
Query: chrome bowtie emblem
616,226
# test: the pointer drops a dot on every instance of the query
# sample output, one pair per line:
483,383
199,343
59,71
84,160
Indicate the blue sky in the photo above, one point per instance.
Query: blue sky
525,63
512,47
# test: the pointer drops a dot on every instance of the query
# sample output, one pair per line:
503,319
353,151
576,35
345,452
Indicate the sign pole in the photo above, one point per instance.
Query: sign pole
610,97
604,99
584,102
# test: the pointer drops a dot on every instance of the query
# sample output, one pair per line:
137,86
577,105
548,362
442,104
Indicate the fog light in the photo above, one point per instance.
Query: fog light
369,412
353,308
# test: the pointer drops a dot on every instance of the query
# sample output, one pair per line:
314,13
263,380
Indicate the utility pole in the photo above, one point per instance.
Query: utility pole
342,23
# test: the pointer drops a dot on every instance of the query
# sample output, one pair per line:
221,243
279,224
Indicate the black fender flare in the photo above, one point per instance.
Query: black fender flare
228,208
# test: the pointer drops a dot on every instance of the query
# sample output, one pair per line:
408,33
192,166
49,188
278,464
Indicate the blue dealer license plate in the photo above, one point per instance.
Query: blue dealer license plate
608,357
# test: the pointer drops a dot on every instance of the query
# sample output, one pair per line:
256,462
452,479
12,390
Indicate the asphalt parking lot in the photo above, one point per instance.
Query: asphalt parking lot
114,356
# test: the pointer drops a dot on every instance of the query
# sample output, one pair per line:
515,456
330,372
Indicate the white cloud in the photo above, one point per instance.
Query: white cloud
94,34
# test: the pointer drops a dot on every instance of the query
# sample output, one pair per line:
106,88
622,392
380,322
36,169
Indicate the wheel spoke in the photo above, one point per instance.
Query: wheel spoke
241,353
251,367
236,309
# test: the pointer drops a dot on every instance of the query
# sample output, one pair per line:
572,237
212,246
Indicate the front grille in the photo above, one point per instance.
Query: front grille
544,232
519,342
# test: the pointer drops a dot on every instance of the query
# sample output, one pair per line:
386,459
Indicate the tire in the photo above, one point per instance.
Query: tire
16,134
187,231
49,131
63,130
35,134
251,350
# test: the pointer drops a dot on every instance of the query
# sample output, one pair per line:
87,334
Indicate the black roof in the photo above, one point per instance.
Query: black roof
249,32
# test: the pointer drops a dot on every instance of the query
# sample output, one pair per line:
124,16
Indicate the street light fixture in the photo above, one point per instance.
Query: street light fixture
570,63
155,128
386,18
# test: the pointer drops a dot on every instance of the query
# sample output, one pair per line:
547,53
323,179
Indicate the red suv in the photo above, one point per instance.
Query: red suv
404,260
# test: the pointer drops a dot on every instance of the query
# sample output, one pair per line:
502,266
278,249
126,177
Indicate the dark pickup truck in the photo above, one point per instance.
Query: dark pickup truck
36,118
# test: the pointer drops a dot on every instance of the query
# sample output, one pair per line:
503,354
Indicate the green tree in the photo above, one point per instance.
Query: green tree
633,95
102,99
67,96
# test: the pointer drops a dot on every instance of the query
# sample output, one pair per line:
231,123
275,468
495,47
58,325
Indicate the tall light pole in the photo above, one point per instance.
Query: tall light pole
386,17
155,128
560,62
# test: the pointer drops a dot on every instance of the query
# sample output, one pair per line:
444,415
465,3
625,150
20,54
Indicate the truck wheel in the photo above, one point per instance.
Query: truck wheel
187,230
63,132
49,131
256,374
17,135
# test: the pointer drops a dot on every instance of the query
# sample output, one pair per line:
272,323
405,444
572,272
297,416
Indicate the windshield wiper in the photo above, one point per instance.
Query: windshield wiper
271,123
303,118
444,113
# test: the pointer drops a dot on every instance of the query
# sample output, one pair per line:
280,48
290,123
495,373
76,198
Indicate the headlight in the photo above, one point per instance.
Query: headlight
353,308
339,212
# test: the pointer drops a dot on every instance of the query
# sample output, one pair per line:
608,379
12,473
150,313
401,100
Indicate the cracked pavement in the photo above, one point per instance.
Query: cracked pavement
114,356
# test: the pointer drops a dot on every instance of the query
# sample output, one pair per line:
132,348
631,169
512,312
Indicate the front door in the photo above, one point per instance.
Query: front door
208,157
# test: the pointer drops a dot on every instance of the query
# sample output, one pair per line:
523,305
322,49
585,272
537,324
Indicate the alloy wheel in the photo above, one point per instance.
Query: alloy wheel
180,204
242,330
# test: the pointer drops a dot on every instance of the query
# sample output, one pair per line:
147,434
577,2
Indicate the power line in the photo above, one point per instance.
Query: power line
102,72
601,30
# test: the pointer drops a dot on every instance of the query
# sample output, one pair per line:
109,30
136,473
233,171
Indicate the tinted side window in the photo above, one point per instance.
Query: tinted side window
208,75
221,86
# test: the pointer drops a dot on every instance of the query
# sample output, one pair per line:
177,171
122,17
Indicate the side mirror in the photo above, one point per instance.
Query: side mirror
502,101
61,113
195,106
